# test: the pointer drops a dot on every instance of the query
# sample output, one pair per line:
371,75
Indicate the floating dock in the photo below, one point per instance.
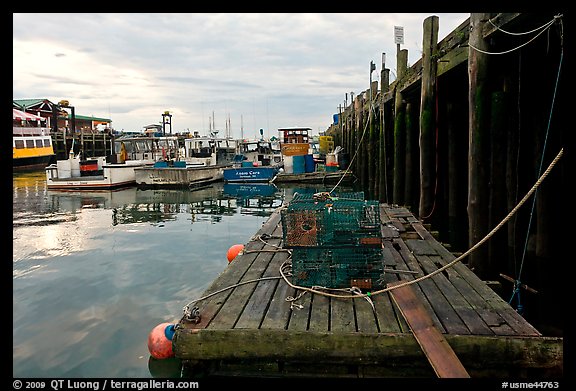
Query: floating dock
251,322
319,177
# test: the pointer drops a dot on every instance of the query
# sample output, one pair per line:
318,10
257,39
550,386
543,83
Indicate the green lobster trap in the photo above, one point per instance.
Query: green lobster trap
342,267
336,240
346,220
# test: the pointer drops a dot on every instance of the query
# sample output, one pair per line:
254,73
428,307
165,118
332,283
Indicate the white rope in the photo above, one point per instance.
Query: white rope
511,50
547,24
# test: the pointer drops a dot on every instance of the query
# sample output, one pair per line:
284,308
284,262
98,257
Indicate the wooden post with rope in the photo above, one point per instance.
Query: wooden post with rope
437,350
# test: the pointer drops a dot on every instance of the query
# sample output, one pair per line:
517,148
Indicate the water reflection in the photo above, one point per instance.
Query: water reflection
136,205
94,272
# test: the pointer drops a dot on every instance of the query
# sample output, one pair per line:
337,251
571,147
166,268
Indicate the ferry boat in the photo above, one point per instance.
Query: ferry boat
113,171
31,141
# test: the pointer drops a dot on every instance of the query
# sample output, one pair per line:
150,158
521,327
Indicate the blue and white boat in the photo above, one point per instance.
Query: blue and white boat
255,161
243,174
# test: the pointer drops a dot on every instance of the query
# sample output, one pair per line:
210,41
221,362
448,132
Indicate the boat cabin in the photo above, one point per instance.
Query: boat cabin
294,141
260,152
147,147
204,151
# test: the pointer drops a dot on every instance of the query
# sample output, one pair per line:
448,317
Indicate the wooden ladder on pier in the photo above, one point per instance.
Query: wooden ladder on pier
437,350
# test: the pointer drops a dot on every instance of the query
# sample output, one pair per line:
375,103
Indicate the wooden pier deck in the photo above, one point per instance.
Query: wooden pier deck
245,326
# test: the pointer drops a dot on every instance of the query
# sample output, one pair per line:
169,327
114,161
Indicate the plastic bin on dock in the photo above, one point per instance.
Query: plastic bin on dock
309,163
298,164
289,164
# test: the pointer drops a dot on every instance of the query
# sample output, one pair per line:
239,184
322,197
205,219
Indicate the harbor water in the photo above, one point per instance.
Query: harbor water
94,272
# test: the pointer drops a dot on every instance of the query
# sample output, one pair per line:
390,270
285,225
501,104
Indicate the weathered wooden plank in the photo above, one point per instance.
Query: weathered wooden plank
438,351
491,298
479,303
233,274
300,313
384,349
402,265
389,320
278,314
233,306
319,313
452,59
365,318
469,316
496,323
389,231
342,315
384,218
420,247
398,225
388,258
254,310
440,305
473,320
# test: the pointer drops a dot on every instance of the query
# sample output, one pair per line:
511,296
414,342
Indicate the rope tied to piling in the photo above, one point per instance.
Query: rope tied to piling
286,267
448,265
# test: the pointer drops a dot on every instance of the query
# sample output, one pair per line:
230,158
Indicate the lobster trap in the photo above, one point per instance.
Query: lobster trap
345,220
338,267
335,240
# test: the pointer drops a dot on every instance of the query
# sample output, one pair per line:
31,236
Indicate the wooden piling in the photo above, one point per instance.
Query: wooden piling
428,118
382,173
399,130
478,152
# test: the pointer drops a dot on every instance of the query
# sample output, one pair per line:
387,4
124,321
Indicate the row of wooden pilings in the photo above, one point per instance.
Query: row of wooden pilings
462,135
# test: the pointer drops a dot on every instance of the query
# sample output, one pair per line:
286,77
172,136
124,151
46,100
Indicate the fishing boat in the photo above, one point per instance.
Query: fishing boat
208,151
202,160
31,141
114,171
255,161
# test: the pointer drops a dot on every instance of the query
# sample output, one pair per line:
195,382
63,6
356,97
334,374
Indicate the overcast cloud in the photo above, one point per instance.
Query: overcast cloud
260,71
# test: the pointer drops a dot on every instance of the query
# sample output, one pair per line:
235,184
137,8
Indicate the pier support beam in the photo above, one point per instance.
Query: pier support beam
399,129
478,142
382,166
428,118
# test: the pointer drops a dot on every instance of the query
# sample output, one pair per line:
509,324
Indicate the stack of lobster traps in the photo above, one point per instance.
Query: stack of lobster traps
335,239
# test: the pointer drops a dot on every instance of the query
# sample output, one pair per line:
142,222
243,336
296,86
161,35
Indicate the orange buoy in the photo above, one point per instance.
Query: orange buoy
234,251
160,341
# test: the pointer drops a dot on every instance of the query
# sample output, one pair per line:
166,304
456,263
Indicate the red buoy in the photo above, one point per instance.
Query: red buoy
160,341
234,251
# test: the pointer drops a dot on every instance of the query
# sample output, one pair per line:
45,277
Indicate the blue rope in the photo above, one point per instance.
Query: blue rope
516,290
516,293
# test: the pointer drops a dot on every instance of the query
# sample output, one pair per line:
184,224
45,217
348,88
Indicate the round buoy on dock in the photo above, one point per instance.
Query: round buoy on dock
234,251
160,341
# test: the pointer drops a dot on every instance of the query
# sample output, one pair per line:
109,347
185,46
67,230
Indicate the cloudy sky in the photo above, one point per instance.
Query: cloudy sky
249,70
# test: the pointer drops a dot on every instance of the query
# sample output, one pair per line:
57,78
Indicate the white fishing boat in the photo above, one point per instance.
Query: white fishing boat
202,160
113,171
